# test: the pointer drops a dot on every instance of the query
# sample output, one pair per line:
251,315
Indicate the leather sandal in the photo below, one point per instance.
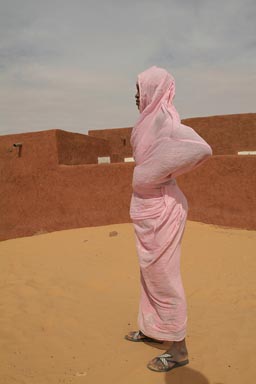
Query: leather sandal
138,336
165,359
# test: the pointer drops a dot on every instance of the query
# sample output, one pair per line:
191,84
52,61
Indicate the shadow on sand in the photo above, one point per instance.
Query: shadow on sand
182,375
185,375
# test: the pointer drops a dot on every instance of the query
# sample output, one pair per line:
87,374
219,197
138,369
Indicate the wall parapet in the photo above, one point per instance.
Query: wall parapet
53,181
221,192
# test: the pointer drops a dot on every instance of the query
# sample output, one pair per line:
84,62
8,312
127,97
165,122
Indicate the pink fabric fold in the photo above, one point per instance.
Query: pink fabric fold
163,149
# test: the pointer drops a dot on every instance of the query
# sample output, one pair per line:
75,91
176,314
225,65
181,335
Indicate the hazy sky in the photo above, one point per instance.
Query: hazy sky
73,64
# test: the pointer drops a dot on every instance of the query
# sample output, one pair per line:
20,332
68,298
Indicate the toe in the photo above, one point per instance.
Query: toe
156,365
134,335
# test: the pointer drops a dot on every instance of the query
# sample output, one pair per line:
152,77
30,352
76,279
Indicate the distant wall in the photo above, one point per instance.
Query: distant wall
227,134
46,149
75,148
38,151
119,141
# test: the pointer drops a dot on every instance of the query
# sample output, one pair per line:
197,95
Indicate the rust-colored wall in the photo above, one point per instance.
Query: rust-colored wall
38,152
222,191
74,148
119,141
38,194
69,196
227,134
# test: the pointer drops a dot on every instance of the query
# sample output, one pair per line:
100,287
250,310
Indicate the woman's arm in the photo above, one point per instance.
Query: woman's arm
170,157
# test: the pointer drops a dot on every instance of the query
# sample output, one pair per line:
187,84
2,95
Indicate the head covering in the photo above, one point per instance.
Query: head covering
157,91
155,85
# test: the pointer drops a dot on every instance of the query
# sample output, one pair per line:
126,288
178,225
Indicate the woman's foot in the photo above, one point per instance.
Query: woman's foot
176,356
138,336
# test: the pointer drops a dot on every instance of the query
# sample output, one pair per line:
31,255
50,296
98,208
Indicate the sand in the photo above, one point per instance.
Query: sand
68,298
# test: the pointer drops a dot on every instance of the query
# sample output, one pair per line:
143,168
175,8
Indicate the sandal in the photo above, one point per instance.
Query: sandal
138,336
165,359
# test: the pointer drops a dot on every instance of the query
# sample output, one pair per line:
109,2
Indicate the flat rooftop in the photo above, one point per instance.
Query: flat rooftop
69,297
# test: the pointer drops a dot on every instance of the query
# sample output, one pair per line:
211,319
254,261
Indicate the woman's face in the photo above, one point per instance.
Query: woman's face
137,96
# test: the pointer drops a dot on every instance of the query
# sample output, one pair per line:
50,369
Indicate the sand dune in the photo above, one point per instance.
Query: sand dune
68,298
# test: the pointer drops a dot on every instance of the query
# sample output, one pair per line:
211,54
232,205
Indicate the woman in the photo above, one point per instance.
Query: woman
163,148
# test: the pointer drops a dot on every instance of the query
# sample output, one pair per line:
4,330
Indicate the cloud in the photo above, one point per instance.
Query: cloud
73,65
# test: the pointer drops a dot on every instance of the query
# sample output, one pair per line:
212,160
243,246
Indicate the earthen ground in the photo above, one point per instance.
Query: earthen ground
68,298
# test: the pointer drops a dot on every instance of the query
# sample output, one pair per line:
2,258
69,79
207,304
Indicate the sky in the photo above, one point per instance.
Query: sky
73,64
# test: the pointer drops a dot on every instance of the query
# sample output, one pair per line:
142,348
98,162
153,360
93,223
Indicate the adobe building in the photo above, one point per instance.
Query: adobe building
51,180
226,134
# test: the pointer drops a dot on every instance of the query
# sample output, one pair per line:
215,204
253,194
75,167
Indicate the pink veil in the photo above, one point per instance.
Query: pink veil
163,148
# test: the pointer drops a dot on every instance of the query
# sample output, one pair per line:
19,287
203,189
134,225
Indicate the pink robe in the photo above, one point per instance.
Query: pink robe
163,149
